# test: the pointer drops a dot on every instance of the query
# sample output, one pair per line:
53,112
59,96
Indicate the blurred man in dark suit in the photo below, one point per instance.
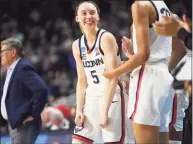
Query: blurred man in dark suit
24,94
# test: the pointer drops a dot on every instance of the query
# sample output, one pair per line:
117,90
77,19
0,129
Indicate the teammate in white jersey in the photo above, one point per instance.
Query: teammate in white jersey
150,82
100,102
180,102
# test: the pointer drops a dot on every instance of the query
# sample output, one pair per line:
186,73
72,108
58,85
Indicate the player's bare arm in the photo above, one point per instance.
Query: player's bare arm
140,14
109,47
178,52
81,84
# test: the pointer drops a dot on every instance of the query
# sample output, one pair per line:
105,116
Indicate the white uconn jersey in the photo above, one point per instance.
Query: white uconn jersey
94,66
160,46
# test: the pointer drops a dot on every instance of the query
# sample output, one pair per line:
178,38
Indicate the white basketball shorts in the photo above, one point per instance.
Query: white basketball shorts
116,132
177,114
149,96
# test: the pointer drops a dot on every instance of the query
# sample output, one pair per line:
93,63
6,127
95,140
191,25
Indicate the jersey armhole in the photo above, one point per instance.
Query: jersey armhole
100,49
79,45
157,14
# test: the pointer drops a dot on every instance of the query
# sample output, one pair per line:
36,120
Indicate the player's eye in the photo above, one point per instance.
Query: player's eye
92,12
83,13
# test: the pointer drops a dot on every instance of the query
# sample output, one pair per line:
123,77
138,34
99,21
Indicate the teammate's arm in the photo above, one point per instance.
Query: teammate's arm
140,16
81,83
109,47
178,52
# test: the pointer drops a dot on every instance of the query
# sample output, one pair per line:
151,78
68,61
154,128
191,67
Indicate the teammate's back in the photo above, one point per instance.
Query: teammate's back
160,46
150,80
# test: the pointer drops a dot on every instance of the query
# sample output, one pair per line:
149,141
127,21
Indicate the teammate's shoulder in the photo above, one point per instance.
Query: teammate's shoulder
141,6
107,35
75,45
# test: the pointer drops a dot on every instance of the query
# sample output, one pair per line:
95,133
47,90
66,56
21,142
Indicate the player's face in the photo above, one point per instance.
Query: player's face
87,16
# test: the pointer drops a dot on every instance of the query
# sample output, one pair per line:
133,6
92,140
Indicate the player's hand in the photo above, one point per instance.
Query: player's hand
79,119
104,121
127,46
109,75
170,26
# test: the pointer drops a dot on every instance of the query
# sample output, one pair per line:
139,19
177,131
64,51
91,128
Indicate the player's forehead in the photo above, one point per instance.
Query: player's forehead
86,6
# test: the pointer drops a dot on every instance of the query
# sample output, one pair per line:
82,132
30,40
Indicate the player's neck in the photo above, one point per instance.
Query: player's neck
91,35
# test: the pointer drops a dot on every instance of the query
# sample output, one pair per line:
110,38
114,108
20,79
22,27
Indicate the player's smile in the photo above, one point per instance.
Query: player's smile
90,23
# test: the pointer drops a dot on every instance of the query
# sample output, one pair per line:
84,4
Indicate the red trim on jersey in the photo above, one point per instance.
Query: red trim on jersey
82,139
174,112
89,51
138,91
122,140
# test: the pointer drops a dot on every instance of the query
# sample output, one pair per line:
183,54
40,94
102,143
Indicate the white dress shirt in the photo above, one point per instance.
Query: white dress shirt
10,70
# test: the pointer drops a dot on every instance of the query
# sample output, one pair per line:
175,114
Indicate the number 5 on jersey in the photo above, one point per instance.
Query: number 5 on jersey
94,76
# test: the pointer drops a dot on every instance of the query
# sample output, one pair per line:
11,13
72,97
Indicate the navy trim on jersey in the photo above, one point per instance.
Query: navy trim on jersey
79,44
157,14
100,49
85,41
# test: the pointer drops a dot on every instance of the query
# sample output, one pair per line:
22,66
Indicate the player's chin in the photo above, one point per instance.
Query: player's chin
91,26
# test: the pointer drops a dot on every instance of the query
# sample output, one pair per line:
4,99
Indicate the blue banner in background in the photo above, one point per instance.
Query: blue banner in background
45,138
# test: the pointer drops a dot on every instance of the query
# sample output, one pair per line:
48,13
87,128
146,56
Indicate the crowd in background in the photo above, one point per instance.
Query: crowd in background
48,28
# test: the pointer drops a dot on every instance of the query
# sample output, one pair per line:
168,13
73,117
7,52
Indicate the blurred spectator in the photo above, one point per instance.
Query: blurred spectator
57,117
